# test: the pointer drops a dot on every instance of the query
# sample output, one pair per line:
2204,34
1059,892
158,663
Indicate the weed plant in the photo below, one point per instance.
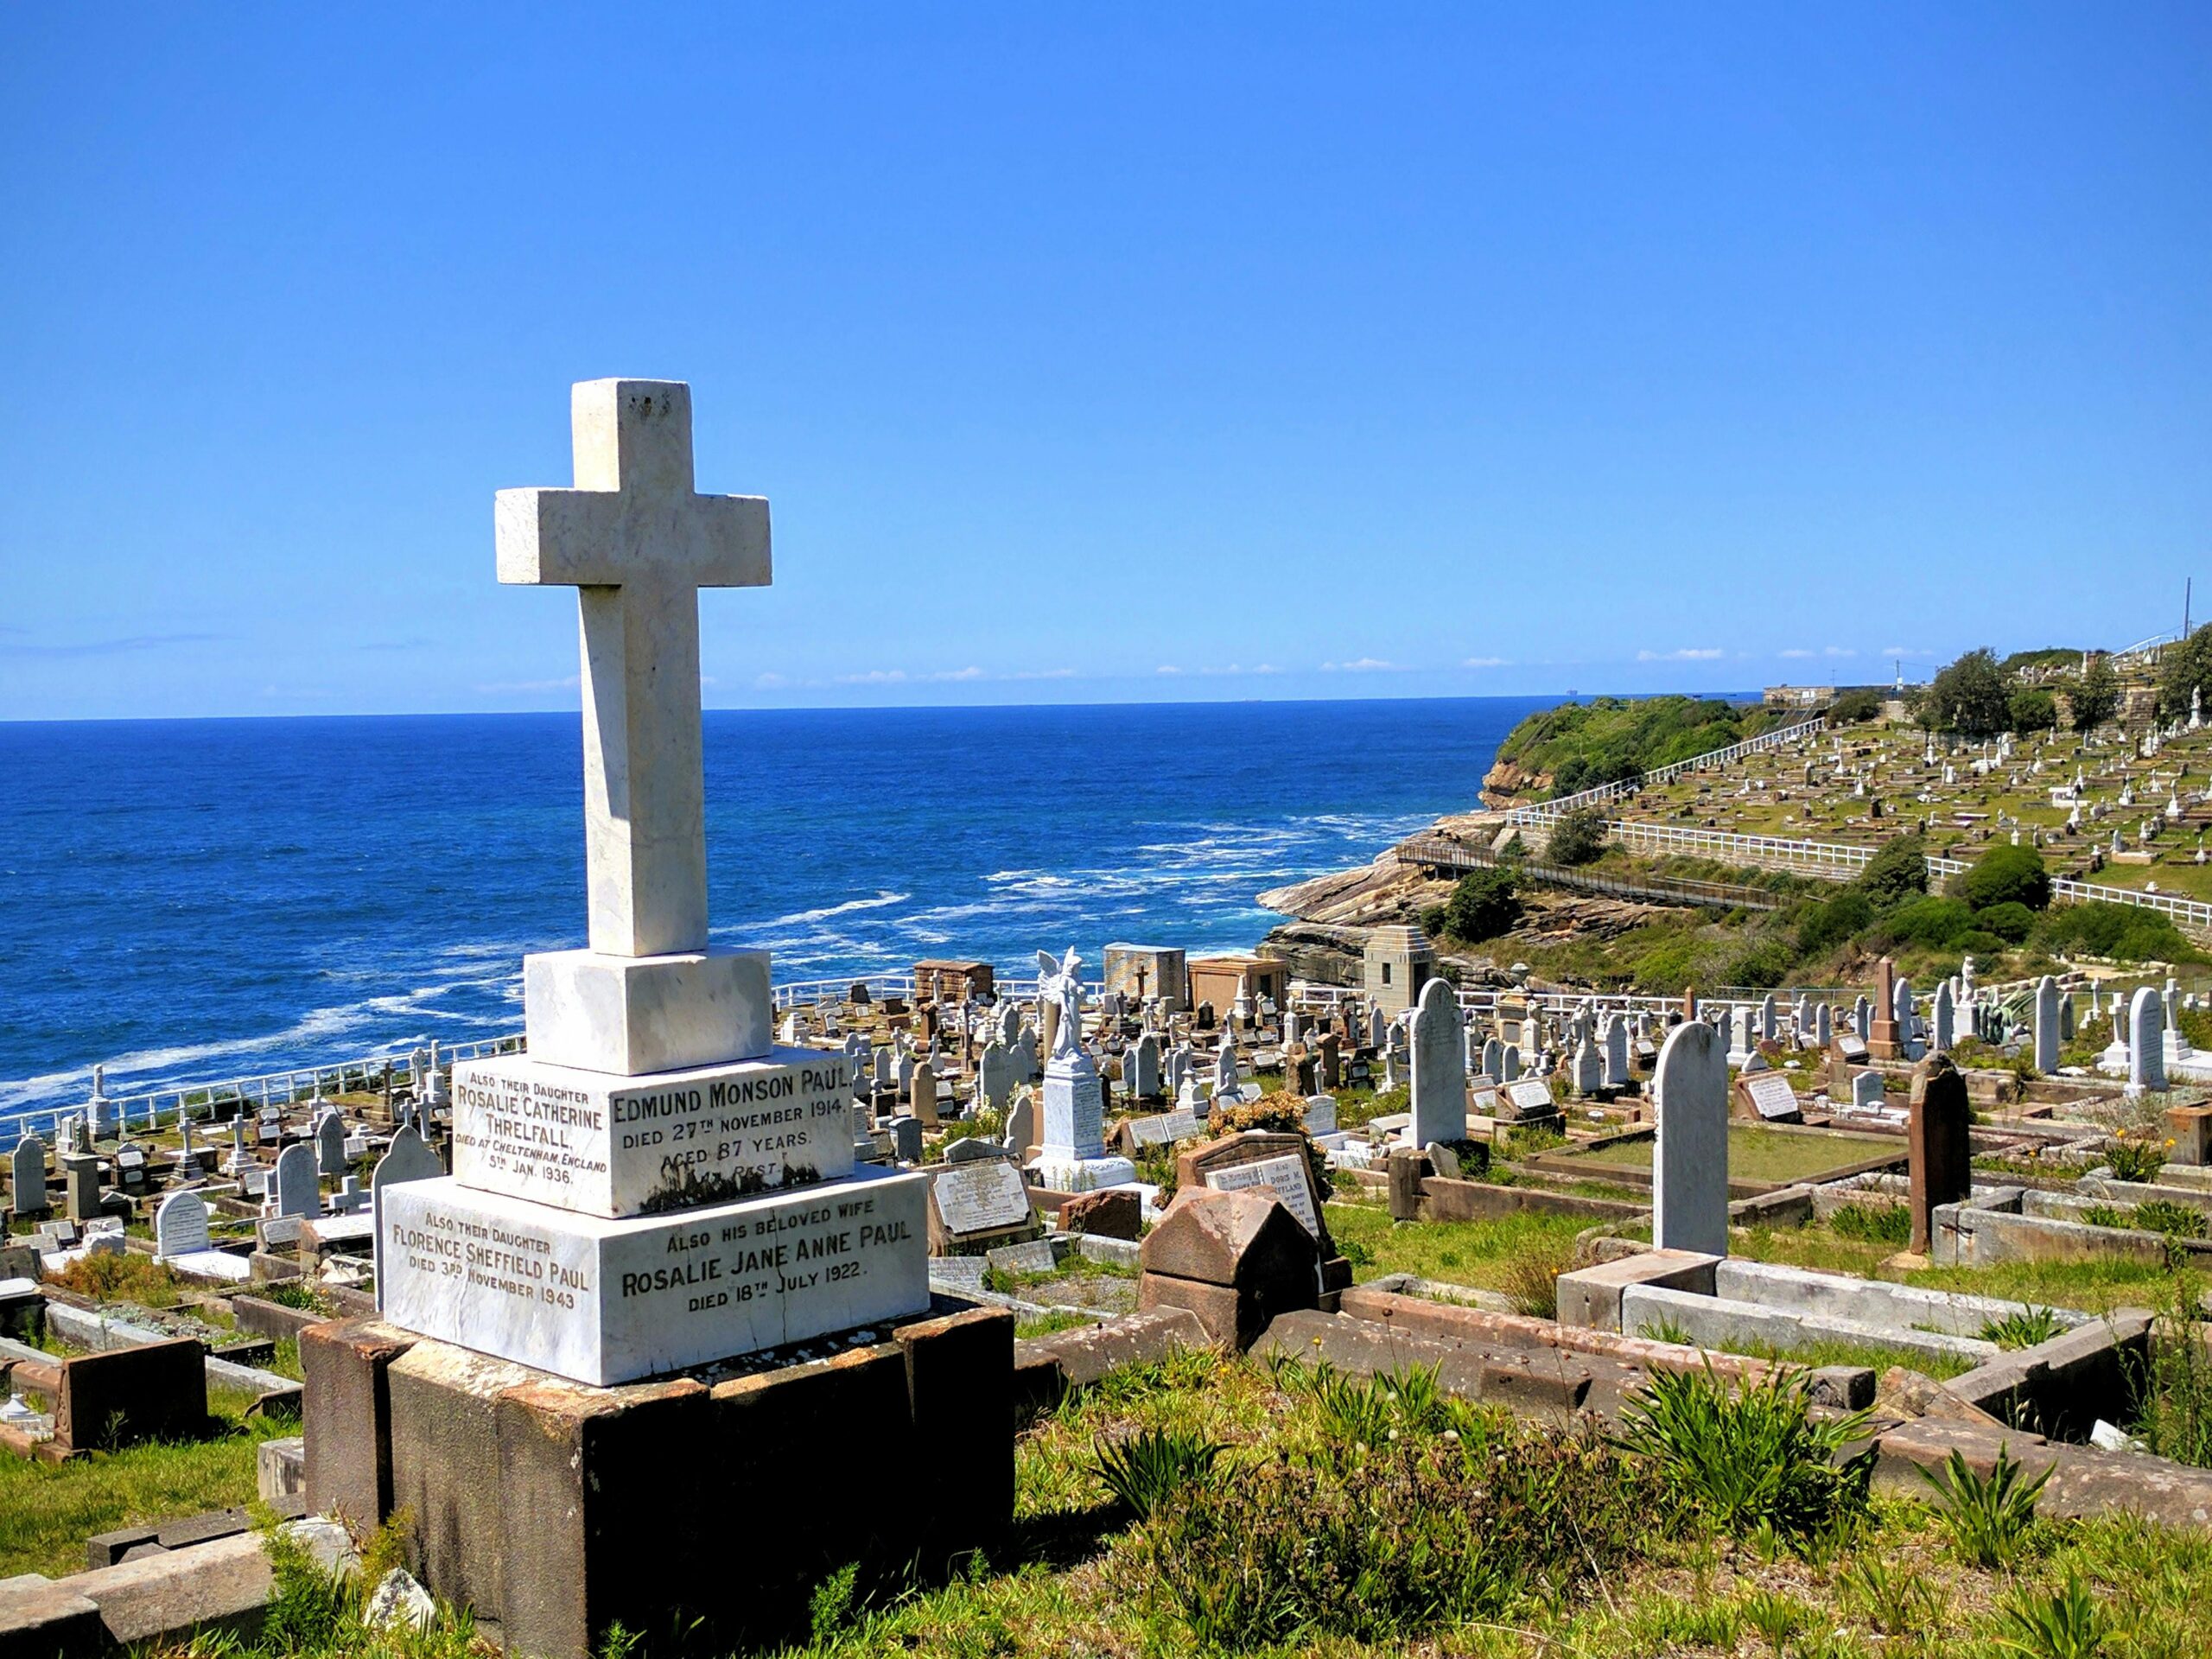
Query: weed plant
2022,1330
1990,1518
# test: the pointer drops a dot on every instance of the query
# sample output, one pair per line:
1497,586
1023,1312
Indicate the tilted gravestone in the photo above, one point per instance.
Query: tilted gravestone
1440,1084
981,1202
1689,1165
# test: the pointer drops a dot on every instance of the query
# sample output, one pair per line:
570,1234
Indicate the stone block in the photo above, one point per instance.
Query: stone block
603,1473
201,1528
1591,1297
1246,1242
150,1391
961,1407
1117,1213
2190,1128
631,1015
279,1469
215,1586
106,1548
41,1619
1227,1321
1046,1368
446,1467
345,1456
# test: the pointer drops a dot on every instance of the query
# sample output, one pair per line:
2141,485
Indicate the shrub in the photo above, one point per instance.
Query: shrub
1855,707
1761,968
1825,925
1988,1519
2125,932
1752,1459
1150,1466
1482,905
1579,837
2011,921
2005,874
1937,923
2170,1217
1897,872
2185,668
2022,1330
2136,1159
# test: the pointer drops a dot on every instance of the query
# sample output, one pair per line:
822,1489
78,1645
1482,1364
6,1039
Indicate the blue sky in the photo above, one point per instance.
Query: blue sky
1105,353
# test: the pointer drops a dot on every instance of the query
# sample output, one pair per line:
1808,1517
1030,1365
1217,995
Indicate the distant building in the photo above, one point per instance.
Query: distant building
1798,697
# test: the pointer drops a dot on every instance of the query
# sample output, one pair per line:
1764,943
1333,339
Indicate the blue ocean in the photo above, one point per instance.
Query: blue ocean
190,900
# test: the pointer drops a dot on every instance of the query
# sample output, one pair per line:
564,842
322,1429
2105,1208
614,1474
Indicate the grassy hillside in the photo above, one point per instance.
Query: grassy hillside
1579,745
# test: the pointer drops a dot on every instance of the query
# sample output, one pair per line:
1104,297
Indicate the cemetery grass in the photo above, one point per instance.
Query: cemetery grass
47,1510
2094,1285
1480,1254
1653,1574
1755,1153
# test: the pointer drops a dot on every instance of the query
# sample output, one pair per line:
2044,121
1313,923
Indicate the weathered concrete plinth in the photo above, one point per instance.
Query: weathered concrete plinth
556,1510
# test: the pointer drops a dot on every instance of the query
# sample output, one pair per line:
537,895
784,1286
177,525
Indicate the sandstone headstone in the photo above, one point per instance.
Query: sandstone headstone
1943,1161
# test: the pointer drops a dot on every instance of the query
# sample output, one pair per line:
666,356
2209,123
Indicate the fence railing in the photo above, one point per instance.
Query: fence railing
1438,853
152,1109
1547,811
1834,860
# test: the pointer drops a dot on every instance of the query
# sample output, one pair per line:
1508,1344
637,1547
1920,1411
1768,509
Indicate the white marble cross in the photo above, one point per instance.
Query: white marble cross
637,543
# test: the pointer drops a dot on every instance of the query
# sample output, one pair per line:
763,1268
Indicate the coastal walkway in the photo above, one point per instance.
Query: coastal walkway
1438,853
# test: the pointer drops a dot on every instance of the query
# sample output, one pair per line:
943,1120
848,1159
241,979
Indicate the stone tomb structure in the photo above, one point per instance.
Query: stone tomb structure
655,1192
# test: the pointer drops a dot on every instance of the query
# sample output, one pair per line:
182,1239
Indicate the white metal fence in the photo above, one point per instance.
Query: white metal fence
1547,811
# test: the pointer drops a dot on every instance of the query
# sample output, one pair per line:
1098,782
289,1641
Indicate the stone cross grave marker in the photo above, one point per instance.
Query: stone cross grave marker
1689,1166
638,543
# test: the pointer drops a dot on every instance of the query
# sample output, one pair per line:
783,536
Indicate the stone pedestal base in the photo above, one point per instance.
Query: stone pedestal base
604,1302
556,1510
632,1015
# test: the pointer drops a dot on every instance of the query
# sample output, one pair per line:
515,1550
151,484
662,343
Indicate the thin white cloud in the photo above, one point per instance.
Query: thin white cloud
505,687
1838,650
1794,653
1361,665
1685,654
1904,650
770,682
1483,662
1167,668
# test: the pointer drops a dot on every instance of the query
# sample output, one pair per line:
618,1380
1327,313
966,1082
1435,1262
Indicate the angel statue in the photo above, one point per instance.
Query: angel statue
1057,981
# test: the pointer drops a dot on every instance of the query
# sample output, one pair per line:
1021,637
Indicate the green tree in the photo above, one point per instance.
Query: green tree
2185,669
1971,696
2033,709
1898,871
1855,707
2004,875
2094,696
1578,838
1482,905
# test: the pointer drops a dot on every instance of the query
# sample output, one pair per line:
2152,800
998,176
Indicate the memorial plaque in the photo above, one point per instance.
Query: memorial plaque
604,1144
988,1196
1770,1096
604,1301
1163,1130
1287,1176
1531,1097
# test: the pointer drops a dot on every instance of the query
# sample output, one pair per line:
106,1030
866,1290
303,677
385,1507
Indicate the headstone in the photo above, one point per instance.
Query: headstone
2048,1003
181,1225
1823,1026
1162,1130
80,1185
1907,1023
980,1198
1320,1115
995,1078
1879,1019
330,1146
1689,1167
1943,1018
1771,1098
1494,1058
1589,1068
298,1192
2146,1051
1224,1066
907,1138
1141,1068
1866,1091
1942,1160
921,1090
1439,1083
26,1178
1509,1064
1528,1099
1617,1067
1021,1124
